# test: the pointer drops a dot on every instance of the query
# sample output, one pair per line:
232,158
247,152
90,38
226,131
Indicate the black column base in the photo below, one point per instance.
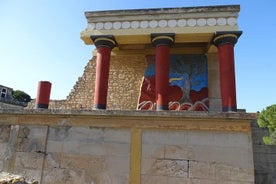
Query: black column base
229,109
162,107
99,107
41,106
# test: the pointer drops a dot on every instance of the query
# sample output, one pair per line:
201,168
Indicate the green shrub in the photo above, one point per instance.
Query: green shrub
267,118
21,96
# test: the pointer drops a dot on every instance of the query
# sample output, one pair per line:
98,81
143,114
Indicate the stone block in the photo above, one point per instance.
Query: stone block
32,132
150,179
219,139
117,149
241,157
176,180
166,167
154,137
52,160
1,165
153,151
87,148
179,152
116,135
118,165
59,133
28,174
80,162
29,160
58,175
233,173
220,172
4,133
85,134
30,144
72,147
202,170
54,146
3,149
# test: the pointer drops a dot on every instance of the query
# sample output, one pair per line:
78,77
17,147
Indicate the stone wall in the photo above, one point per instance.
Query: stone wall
264,156
121,147
125,79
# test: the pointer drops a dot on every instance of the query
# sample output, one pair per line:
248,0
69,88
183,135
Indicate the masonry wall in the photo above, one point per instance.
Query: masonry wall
121,147
264,156
125,78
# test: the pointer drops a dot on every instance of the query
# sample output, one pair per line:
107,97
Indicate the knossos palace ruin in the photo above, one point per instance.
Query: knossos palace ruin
155,104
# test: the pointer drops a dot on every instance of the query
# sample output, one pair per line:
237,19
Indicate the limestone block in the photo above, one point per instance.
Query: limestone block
58,133
52,160
233,173
29,160
202,170
1,165
30,145
165,137
220,172
241,157
54,146
219,139
115,149
117,135
4,133
153,151
32,132
85,134
68,176
94,164
179,152
176,180
118,165
29,174
72,147
168,167
86,148
149,179
3,148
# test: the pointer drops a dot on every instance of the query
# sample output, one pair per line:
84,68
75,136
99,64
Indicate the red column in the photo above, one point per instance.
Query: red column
43,95
162,43
104,46
225,42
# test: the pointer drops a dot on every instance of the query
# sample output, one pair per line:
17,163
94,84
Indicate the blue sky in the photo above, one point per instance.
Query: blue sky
40,40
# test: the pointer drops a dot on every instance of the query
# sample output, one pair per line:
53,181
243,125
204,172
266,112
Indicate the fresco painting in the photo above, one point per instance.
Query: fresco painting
188,84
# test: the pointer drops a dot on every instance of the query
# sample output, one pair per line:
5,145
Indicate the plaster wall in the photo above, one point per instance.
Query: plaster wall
121,147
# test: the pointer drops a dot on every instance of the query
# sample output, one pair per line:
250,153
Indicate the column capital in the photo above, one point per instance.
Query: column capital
104,41
226,37
158,39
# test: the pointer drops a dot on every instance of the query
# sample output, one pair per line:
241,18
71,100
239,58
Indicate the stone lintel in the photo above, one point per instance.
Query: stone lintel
190,24
210,121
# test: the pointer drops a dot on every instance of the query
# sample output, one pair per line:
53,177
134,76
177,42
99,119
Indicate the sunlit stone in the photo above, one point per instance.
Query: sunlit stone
181,22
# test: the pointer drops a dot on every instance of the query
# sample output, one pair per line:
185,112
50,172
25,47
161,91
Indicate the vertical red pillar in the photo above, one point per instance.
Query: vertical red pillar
43,95
225,42
162,43
104,45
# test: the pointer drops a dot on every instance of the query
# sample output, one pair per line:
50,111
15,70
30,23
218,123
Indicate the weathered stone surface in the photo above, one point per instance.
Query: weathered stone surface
219,171
179,152
29,160
165,167
7,178
4,133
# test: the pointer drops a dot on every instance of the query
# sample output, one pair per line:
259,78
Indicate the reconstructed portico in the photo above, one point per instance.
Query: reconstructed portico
207,31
